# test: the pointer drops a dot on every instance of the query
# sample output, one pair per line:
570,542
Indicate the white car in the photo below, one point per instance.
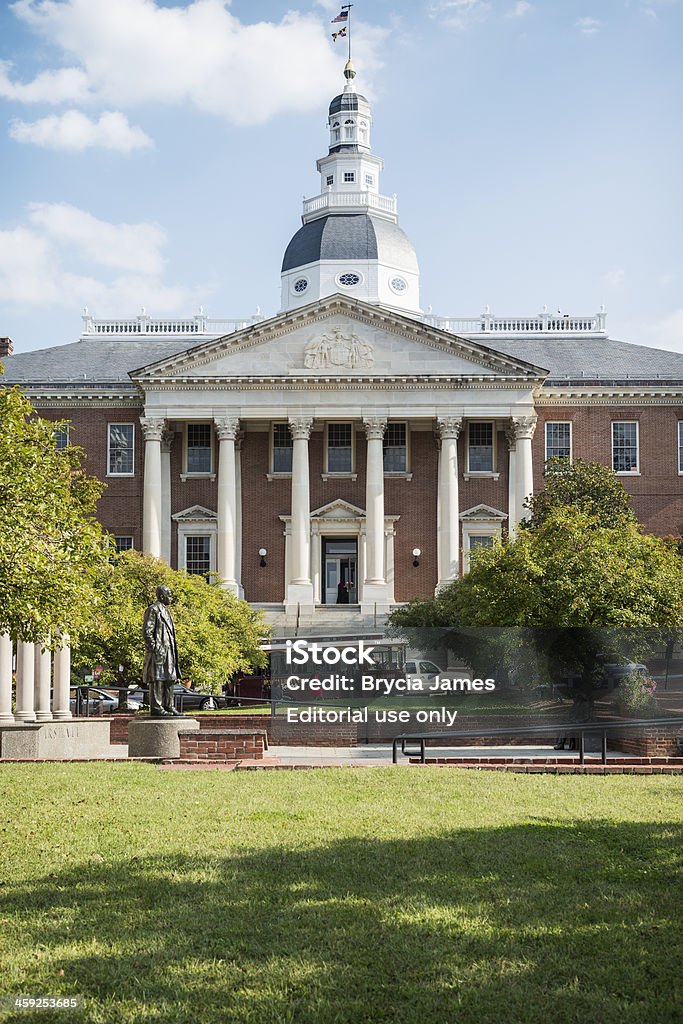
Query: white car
425,671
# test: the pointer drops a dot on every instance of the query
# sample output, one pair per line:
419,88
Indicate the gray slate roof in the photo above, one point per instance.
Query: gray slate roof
569,360
349,237
349,102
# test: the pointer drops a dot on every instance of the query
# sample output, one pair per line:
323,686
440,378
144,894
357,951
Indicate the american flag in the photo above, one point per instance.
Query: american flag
341,17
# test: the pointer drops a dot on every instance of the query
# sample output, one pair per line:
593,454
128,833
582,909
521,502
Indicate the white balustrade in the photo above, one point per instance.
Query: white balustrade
331,200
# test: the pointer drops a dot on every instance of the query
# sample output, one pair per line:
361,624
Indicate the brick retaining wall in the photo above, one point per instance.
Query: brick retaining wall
222,745
278,732
658,741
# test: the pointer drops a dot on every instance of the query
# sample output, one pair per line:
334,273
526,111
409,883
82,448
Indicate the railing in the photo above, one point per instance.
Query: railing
147,326
543,323
371,200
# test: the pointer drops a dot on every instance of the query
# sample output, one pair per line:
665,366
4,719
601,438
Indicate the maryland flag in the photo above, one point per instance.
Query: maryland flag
341,34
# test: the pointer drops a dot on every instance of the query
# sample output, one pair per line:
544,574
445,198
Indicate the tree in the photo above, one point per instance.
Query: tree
218,634
589,487
51,544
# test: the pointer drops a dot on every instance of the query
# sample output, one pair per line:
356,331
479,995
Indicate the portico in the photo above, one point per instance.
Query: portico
344,394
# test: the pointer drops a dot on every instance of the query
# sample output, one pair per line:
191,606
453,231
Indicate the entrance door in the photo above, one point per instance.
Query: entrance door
340,566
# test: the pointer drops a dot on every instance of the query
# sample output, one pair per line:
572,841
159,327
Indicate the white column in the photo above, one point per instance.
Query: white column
374,499
227,428
449,501
524,428
6,652
300,590
391,575
238,512
375,590
511,437
315,563
43,680
25,683
61,708
166,446
151,507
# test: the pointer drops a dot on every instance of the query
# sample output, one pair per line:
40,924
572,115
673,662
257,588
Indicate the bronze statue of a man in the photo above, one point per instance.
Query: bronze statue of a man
161,670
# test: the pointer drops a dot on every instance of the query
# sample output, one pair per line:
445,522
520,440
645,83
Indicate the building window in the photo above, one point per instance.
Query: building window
199,442
300,285
121,453
198,555
558,441
480,540
680,447
349,176
348,129
396,448
339,448
62,438
349,280
282,448
123,544
625,447
330,179
369,180
480,448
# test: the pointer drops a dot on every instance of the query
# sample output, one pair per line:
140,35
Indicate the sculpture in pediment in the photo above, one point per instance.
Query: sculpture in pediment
338,349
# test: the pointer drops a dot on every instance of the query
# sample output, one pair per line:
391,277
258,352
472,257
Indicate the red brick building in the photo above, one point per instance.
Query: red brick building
350,450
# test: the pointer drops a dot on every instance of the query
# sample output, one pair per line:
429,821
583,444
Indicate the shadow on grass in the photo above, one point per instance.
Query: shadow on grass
534,922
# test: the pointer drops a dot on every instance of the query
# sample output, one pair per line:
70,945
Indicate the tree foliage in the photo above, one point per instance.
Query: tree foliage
217,634
589,487
51,544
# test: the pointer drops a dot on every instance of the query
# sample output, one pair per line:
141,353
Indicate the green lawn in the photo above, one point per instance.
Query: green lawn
405,896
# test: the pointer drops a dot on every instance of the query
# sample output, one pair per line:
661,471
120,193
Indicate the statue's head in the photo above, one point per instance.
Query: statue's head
164,595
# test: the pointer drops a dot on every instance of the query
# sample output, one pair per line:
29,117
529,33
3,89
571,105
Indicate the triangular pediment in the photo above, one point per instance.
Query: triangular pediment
482,513
337,338
194,514
338,509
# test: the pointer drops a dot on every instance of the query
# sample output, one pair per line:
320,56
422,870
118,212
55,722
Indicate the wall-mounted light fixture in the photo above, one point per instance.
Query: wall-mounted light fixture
416,557
262,555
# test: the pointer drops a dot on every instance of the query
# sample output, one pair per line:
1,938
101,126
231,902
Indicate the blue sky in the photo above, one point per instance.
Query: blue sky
155,154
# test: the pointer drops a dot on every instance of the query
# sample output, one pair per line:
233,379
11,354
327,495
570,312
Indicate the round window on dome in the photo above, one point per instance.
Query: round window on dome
300,285
349,280
398,284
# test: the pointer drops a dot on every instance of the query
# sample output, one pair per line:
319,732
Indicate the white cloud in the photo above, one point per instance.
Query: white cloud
49,261
75,131
136,52
589,26
460,14
614,278
63,85
520,10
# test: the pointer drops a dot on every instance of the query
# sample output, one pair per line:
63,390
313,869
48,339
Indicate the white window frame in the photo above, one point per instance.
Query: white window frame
348,474
349,177
370,180
197,532
329,180
109,471
552,423
279,475
478,529
680,447
399,472
626,472
66,431
124,536
187,475
490,473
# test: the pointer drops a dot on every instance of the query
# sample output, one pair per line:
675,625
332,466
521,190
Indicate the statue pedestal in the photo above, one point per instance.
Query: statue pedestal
158,737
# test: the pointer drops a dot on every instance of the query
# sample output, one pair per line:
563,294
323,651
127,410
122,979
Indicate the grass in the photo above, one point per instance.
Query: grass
405,896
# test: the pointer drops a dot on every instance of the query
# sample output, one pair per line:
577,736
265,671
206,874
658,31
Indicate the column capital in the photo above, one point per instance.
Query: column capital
524,427
374,427
449,426
227,427
152,427
511,437
300,427
167,438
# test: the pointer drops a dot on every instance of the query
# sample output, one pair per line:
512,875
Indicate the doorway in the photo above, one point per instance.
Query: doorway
340,570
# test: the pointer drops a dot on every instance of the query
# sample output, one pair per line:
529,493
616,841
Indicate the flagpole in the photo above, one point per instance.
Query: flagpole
347,7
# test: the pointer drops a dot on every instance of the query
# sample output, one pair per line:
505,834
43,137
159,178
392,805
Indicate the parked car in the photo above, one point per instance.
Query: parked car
185,698
97,701
424,670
